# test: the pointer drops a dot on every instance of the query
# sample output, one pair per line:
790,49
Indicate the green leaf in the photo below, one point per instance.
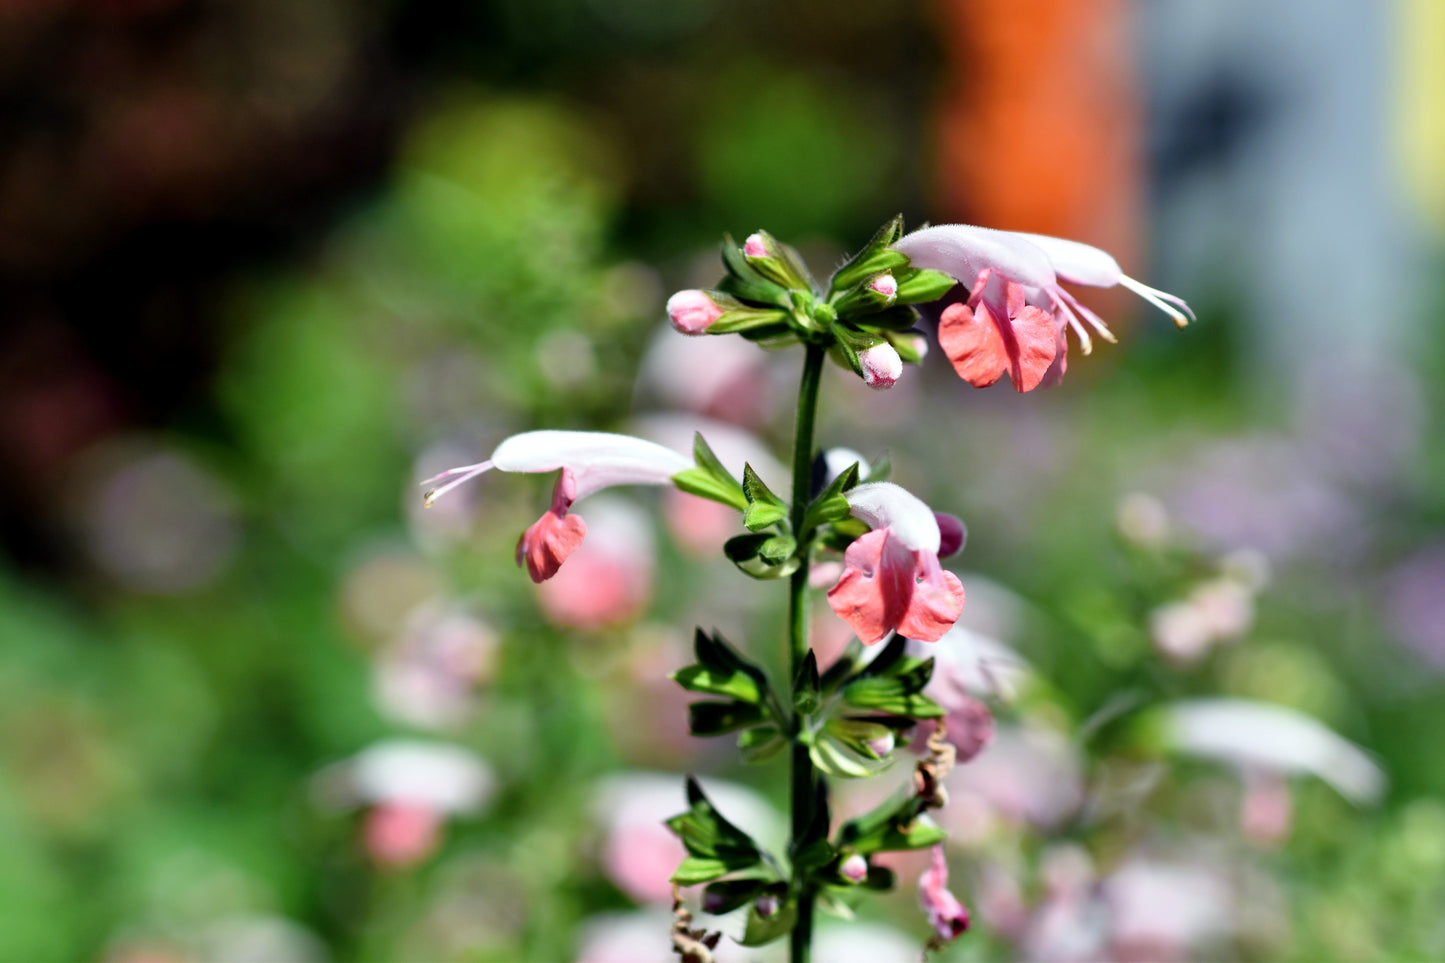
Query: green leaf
889,694
844,356
762,931
888,660
896,824
717,718
830,505
707,835
764,508
743,319
924,286
695,481
807,687
778,549
744,282
722,670
838,759
875,256
885,322
910,345
697,678
717,652
729,894
747,553
761,743
700,869
710,479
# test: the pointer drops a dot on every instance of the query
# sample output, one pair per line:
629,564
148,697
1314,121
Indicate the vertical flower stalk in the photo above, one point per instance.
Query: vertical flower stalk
803,780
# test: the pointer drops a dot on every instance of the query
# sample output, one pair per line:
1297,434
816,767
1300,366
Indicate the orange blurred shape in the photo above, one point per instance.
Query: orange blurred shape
1039,120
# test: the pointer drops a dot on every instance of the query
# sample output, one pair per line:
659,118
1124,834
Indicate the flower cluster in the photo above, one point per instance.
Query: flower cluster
846,719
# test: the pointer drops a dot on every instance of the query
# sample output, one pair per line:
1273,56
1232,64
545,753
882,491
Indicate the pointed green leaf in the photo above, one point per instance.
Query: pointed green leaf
761,743
807,688
718,718
830,505
727,895
696,678
743,319
744,282
778,549
924,286
705,833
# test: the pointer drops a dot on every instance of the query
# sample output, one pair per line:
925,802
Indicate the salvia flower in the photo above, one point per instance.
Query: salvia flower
1017,308
892,579
590,461
945,913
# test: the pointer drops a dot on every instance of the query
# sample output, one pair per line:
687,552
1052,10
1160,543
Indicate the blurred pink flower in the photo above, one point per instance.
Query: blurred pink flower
945,913
408,786
1017,307
400,835
430,674
610,577
892,579
1029,775
590,461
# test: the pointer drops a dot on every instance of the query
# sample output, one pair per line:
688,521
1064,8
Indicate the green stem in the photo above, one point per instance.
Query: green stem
803,779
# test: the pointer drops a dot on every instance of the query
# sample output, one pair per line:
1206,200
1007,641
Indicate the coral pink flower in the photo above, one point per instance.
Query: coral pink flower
946,914
590,461
891,578
1017,308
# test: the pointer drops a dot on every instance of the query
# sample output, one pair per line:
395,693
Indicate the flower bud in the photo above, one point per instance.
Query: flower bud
854,869
884,285
881,746
882,366
756,246
767,905
953,534
692,312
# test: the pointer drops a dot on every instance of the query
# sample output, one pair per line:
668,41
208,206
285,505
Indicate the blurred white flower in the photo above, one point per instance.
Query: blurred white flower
1256,735
437,775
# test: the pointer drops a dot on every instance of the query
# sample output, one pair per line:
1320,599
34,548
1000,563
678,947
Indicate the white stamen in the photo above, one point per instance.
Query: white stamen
467,472
1157,298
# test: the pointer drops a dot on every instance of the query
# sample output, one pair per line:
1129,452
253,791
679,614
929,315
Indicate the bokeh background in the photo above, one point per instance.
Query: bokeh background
265,265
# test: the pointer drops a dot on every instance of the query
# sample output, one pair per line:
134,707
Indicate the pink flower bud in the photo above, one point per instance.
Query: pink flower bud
882,366
692,312
952,534
886,285
755,246
881,746
854,869
767,905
